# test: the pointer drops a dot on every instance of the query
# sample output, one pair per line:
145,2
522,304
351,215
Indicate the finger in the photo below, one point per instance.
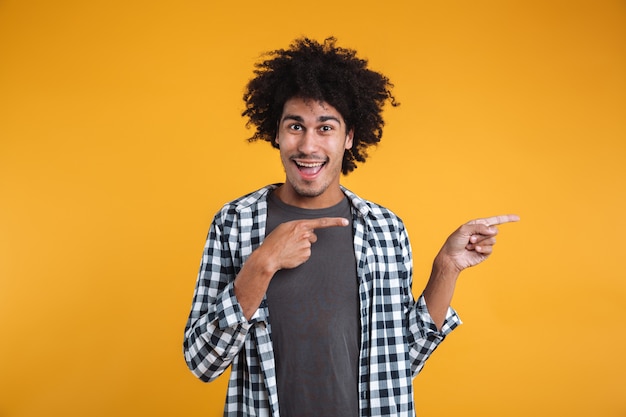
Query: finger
494,220
475,230
325,222
484,241
484,250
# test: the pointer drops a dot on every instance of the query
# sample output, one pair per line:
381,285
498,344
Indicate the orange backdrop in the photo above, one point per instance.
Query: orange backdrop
120,137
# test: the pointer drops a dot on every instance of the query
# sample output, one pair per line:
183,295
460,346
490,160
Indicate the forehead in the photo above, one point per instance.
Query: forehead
310,109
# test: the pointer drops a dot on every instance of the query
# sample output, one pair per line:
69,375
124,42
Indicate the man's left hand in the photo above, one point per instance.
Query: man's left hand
473,242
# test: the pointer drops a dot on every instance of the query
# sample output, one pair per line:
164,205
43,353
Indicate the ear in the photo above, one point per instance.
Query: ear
349,137
275,141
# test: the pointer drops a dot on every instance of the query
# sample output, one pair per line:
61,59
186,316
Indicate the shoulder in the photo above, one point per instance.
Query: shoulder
374,213
249,205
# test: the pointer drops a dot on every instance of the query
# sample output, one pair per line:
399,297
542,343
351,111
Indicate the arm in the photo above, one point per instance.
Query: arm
468,246
216,328
423,336
223,304
288,246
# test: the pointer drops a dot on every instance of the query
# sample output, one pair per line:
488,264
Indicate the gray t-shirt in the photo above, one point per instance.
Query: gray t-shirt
314,319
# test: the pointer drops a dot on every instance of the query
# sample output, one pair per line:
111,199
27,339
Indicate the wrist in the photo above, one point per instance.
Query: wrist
445,267
263,263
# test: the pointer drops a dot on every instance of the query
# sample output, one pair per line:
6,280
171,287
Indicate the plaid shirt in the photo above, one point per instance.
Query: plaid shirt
397,333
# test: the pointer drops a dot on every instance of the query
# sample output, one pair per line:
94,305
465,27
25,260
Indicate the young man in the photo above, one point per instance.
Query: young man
305,288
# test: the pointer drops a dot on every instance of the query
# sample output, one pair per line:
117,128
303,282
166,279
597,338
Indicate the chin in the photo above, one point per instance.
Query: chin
309,191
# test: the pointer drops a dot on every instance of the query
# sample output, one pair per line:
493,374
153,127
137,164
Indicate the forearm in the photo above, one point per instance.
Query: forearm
252,282
468,246
440,289
424,336
214,335
219,322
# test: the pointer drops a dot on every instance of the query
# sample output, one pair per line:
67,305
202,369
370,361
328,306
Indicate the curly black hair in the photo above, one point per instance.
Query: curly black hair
321,72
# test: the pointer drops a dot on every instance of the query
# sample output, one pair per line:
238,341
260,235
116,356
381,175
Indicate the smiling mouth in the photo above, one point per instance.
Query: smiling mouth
309,168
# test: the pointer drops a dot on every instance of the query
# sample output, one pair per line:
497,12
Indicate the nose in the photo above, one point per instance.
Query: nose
308,142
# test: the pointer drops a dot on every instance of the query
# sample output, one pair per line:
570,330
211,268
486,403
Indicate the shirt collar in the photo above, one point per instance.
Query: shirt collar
360,205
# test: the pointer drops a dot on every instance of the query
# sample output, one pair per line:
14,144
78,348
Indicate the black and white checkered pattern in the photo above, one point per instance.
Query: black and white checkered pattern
397,333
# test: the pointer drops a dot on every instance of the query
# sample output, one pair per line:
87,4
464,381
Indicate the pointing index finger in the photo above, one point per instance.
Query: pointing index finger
325,222
495,220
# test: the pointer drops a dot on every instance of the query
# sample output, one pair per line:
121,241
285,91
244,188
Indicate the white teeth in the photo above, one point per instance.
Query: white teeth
310,165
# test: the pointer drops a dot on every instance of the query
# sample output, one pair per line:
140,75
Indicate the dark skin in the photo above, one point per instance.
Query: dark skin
469,245
314,132
289,245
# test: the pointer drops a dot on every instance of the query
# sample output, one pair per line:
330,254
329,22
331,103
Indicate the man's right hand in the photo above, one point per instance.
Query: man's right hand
288,246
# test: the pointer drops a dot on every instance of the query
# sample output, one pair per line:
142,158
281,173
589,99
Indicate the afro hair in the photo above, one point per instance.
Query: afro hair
322,72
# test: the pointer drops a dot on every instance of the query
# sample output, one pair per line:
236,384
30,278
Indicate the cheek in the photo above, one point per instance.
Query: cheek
282,143
283,153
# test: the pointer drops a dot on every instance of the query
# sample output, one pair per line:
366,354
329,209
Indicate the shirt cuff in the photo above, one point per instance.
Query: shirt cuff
451,321
230,313
228,310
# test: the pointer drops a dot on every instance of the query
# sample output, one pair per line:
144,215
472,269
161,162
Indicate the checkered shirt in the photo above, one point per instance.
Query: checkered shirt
397,332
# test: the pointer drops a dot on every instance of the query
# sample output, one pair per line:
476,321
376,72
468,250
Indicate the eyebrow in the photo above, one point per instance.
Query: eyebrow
299,119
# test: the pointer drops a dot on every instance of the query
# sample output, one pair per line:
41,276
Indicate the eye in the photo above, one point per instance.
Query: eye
295,126
326,128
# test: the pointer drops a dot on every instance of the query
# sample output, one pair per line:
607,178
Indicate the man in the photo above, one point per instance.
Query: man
305,288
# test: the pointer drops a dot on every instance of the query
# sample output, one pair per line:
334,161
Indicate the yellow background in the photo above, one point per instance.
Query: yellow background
121,135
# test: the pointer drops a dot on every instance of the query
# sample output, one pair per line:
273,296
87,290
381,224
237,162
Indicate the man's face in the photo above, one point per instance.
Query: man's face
312,139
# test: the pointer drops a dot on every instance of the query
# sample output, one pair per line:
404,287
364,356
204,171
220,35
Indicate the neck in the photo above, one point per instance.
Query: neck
330,197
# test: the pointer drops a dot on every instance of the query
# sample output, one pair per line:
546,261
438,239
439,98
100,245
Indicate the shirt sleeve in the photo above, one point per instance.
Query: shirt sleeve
424,337
216,328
